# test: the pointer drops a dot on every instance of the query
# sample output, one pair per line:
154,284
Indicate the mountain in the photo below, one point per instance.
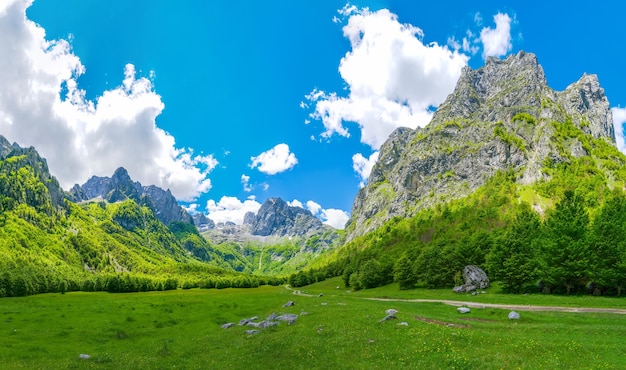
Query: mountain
120,186
278,239
19,185
499,117
277,218
511,176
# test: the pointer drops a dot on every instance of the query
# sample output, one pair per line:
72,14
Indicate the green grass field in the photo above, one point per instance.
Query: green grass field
181,329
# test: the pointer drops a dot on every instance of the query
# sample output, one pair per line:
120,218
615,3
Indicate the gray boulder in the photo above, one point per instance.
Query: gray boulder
289,304
243,322
289,318
513,315
475,278
463,310
228,325
252,332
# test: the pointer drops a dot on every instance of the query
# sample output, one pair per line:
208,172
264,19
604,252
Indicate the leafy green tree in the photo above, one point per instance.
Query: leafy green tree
608,242
513,260
404,272
370,274
566,252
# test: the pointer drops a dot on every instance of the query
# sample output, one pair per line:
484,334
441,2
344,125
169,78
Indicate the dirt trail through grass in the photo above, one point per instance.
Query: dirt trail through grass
490,305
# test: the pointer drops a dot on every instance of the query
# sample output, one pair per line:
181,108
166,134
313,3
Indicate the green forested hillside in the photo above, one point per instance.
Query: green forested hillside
563,234
49,244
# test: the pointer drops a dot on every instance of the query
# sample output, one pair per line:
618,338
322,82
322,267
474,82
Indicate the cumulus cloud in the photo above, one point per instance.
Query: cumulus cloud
313,207
619,119
245,181
276,160
363,166
231,209
393,79
335,218
295,203
42,105
497,41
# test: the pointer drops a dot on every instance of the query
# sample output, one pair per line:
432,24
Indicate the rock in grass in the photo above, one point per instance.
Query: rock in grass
403,323
289,304
391,312
228,325
290,318
84,356
272,317
513,315
246,321
252,332
463,310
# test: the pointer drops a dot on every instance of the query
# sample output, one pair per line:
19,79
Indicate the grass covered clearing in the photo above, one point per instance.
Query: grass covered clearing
181,329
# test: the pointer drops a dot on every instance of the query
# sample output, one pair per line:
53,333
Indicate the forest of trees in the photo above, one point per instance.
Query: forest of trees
577,246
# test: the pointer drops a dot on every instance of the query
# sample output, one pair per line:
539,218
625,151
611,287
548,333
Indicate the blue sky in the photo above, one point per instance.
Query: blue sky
230,103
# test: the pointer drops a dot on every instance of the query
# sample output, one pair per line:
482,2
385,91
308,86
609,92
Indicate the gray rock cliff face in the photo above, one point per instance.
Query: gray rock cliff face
120,187
202,222
499,117
277,218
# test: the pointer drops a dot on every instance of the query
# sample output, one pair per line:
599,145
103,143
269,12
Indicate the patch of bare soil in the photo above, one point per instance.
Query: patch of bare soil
441,323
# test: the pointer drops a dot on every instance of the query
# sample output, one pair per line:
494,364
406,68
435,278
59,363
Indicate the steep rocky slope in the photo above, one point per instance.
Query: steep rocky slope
501,116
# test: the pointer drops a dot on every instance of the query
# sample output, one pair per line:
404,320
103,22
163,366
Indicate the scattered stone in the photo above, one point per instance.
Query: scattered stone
391,312
403,323
324,304
246,321
290,318
320,329
272,317
321,295
267,324
302,313
253,324
463,310
513,315
84,356
228,325
388,317
459,289
371,341
252,332
289,304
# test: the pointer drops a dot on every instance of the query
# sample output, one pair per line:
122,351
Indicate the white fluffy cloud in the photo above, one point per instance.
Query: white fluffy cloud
42,105
245,181
497,42
619,119
335,218
295,203
363,166
231,209
313,207
276,160
393,78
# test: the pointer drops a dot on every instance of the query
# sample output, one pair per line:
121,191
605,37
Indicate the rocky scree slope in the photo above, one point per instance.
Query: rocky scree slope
499,117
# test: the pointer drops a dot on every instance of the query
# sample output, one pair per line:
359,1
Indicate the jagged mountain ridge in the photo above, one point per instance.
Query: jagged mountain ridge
120,186
501,116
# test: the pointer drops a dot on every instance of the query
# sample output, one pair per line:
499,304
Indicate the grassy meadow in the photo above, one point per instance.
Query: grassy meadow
181,329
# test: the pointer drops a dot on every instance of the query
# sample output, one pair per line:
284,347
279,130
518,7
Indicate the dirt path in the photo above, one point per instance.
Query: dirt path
507,306
489,305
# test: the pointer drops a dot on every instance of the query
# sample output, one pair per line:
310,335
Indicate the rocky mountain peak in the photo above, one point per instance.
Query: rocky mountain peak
120,186
276,217
502,116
